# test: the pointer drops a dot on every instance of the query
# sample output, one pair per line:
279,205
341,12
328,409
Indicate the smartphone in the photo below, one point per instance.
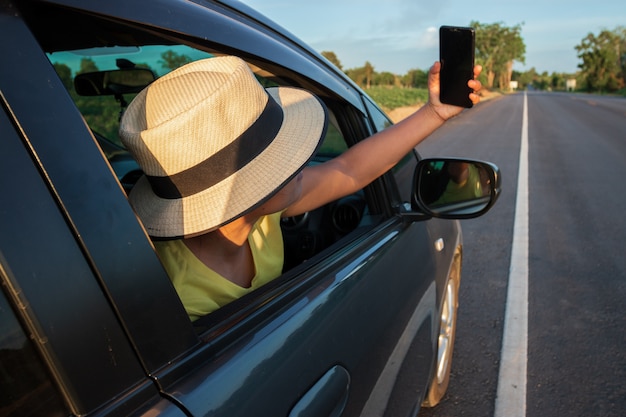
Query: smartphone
456,54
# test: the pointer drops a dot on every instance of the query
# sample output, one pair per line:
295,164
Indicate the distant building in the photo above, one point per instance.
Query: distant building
570,85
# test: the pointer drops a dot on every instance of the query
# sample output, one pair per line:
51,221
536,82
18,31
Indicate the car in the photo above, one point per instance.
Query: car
361,322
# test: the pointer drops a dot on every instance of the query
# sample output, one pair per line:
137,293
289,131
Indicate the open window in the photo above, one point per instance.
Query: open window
102,81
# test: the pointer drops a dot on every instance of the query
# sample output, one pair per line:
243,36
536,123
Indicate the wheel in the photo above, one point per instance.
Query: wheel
447,331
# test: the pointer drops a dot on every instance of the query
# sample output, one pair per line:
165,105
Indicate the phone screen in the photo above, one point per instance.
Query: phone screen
456,54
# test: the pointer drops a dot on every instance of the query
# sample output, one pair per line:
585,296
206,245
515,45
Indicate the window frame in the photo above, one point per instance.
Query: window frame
53,289
51,128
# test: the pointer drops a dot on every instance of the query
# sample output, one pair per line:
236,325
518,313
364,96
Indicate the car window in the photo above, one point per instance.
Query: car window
304,236
403,170
334,143
102,112
379,120
25,387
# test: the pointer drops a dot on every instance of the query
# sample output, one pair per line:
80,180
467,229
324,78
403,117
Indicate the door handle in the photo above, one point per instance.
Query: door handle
327,397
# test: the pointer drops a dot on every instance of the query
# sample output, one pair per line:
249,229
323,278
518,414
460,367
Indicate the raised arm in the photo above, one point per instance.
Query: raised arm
372,157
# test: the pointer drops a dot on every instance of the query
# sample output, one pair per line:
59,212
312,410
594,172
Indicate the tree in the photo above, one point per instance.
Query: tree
532,80
621,34
385,78
332,58
357,75
557,81
170,60
603,59
497,46
65,74
363,76
369,74
416,78
87,65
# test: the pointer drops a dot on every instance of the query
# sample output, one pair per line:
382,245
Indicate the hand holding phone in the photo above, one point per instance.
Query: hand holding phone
456,54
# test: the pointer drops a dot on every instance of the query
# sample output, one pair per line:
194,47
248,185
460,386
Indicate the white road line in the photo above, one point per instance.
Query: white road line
511,395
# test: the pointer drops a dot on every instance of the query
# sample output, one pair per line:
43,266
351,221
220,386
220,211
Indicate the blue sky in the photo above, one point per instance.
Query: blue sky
398,35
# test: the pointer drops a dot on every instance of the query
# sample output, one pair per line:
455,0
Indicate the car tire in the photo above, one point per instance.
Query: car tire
447,332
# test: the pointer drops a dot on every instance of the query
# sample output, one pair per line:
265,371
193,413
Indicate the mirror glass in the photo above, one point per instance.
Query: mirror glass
103,83
456,187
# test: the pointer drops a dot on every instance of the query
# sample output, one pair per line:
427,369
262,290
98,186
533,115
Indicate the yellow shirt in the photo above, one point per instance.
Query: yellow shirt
468,190
203,290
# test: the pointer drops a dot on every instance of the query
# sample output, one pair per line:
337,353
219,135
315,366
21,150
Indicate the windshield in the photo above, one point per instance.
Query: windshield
102,113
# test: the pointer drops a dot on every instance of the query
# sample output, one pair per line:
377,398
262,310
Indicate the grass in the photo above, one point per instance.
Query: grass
390,98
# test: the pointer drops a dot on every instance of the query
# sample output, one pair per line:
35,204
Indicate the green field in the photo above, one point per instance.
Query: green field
390,98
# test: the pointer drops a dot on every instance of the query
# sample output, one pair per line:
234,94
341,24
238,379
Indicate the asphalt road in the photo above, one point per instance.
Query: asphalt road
576,260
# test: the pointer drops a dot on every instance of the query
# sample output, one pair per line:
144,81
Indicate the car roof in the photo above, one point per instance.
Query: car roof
229,26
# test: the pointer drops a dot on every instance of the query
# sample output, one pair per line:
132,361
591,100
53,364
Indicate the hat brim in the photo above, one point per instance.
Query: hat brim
304,125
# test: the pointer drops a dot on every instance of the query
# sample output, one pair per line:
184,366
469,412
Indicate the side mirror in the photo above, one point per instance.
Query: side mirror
114,82
451,188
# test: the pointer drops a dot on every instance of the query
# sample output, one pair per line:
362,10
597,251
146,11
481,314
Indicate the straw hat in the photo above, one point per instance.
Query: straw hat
214,144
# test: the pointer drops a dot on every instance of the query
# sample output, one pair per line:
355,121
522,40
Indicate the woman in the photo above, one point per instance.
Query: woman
225,159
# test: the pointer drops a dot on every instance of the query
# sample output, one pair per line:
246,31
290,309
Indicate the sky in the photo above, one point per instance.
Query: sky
400,35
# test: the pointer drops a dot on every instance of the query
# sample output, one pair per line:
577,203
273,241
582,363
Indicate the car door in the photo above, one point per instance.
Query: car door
331,335
350,330
334,336
54,245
